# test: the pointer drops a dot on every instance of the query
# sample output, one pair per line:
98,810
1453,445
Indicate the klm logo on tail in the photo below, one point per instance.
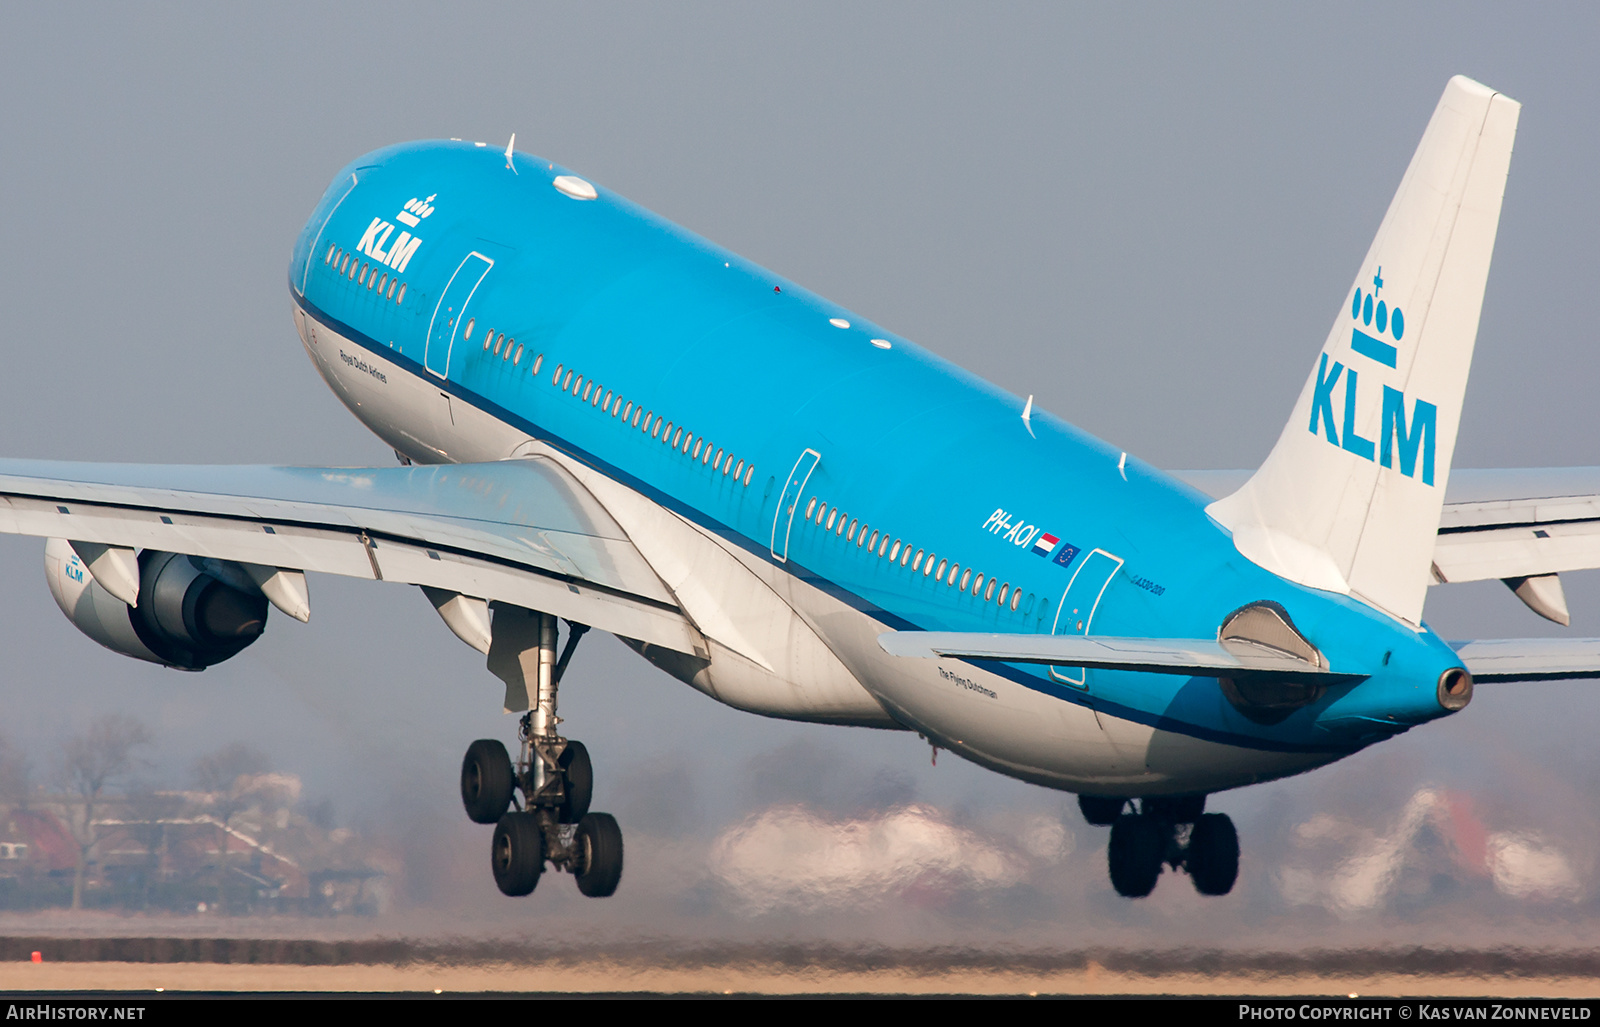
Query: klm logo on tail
1375,333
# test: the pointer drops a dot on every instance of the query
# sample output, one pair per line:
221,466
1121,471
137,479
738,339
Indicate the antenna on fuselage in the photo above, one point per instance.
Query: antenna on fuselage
1027,416
509,166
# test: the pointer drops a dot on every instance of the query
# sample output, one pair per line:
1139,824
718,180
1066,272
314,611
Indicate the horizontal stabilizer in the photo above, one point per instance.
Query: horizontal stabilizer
1530,659
1198,657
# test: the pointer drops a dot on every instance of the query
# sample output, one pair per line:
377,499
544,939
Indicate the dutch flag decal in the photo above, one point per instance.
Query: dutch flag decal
1044,545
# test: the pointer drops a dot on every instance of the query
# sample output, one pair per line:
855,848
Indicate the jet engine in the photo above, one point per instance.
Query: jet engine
191,612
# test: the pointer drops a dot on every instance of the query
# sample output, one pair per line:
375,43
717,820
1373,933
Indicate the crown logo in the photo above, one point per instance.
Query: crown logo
415,210
1375,313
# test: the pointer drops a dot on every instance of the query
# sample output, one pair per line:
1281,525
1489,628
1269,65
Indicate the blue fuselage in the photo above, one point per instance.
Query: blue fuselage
730,396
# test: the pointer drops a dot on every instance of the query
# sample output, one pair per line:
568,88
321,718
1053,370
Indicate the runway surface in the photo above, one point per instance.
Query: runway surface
400,965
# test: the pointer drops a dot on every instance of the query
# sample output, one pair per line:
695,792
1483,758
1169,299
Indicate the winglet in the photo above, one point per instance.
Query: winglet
1027,415
1349,499
509,148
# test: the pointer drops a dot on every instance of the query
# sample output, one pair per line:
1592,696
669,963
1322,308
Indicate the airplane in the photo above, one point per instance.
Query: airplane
605,420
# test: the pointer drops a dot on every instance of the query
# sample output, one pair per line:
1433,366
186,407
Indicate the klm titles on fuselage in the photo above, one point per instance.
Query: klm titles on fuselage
375,240
1398,434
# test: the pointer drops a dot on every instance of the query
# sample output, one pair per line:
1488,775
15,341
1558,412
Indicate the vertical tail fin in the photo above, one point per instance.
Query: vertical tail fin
1349,498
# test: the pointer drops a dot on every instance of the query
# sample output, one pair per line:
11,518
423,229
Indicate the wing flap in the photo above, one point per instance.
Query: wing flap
1522,551
520,532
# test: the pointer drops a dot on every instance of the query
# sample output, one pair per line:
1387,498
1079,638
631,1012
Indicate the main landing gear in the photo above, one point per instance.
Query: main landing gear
1171,830
552,822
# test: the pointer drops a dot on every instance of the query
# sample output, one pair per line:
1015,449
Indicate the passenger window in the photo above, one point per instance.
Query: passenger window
566,383
577,386
490,338
738,469
344,263
955,569
402,297
606,406
940,572
355,267
966,579
833,517
811,507
597,391
329,258
989,594
391,287
905,557
536,362
655,429
822,513
916,564
716,464
850,536
894,554
883,547
518,358
673,442
874,543
841,524
383,282
686,440
748,475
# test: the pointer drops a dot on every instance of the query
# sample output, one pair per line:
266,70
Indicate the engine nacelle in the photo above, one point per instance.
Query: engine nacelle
188,616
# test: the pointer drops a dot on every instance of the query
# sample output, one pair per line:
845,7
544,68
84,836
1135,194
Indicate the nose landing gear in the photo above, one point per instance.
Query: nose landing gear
552,822
1171,830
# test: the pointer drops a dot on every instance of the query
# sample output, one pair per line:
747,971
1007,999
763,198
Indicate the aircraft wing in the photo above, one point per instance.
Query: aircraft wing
1517,523
1199,657
516,531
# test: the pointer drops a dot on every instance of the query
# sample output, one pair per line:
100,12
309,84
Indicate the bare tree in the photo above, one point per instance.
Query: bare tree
219,773
92,764
15,775
146,822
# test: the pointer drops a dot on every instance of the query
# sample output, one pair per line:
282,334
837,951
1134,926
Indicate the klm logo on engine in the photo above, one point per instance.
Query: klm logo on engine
375,240
1375,332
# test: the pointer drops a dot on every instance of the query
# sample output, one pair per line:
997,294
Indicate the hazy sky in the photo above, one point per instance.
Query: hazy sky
1146,216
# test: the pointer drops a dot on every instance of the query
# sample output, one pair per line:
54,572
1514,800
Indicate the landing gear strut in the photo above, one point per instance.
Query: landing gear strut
1171,830
552,823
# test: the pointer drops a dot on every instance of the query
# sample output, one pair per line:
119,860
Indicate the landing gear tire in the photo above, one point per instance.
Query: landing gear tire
598,863
579,785
517,855
1138,847
1213,859
1099,810
486,781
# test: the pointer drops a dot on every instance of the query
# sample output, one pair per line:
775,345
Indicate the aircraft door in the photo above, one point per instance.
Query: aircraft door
450,313
783,520
1082,598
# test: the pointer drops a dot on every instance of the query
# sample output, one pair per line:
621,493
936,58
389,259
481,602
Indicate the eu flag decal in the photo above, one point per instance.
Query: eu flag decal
1068,551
